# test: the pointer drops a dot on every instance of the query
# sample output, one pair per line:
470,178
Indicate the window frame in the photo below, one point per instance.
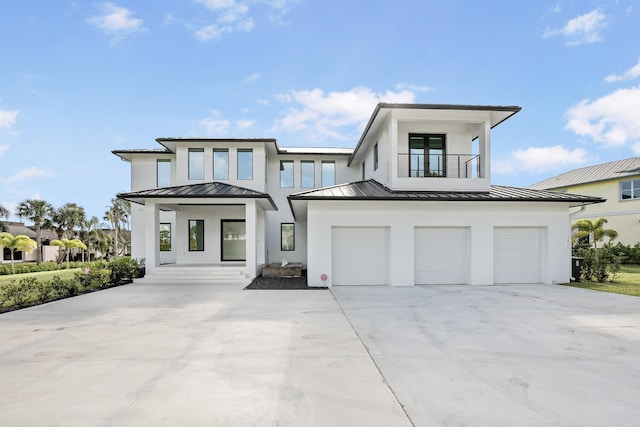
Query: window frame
282,170
197,249
158,162
375,157
426,155
243,150
195,150
222,251
632,189
313,173
293,236
160,240
220,150
322,175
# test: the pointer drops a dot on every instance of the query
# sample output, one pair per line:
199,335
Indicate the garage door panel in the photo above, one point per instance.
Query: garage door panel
518,255
360,255
441,255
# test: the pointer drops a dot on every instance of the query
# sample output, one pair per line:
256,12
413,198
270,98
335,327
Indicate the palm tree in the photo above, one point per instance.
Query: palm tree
39,212
17,243
94,235
594,230
118,216
65,220
4,213
68,244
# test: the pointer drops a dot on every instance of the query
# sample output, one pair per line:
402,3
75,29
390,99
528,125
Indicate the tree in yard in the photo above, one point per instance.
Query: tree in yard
39,212
65,220
4,213
118,216
17,243
96,238
594,230
68,244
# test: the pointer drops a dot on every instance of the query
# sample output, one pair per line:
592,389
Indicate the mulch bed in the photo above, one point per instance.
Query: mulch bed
281,283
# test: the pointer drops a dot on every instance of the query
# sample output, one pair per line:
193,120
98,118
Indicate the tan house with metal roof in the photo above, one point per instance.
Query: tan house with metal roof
618,182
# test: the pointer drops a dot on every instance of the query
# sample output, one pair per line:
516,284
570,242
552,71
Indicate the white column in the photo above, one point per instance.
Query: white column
151,236
251,217
484,148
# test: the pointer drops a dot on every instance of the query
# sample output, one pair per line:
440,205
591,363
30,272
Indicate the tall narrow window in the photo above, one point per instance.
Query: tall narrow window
220,163
288,237
307,174
245,164
286,173
427,155
234,240
375,157
196,235
328,173
363,169
196,163
165,236
163,171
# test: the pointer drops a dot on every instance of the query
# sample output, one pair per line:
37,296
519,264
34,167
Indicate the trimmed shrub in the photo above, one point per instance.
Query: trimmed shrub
18,293
600,265
43,291
63,289
93,278
123,269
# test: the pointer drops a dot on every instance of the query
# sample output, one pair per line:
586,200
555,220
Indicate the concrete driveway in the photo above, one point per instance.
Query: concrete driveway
372,356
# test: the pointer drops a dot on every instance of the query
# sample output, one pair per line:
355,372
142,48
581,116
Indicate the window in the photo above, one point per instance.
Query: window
196,163
427,155
220,163
363,169
286,173
630,189
328,173
375,157
234,240
245,164
163,172
307,174
287,237
196,235
165,236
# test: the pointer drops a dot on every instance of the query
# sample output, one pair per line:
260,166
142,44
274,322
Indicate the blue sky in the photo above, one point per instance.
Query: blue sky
79,79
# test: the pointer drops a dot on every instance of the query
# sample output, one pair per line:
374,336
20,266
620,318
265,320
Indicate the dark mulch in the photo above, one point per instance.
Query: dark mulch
280,283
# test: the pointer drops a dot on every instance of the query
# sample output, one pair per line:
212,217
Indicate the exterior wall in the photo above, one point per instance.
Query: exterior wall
622,215
144,170
283,214
403,217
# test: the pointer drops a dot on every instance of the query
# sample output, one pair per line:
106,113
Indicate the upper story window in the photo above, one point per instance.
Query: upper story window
328,173
307,174
375,157
630,189
196,163
363,169
220,163
427,155
245,163
286,173
163,172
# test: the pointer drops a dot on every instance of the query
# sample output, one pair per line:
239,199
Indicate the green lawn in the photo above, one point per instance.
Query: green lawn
627,282
41,275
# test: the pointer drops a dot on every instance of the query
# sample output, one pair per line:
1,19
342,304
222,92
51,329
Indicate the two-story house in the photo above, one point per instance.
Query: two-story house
411,204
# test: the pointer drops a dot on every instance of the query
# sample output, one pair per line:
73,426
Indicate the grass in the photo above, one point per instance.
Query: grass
40,275
626,283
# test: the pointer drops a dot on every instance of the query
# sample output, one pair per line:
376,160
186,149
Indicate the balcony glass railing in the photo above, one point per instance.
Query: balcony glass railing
439,166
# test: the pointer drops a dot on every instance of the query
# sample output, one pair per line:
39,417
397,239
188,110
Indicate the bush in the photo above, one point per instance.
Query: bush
63,289
93,278
43,291
123,269
18,293
601,264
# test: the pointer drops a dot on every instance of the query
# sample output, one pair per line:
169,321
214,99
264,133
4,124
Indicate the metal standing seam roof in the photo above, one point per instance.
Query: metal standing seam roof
203,190
372,190
602,172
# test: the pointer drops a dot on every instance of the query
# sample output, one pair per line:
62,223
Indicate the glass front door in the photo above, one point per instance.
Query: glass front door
234,240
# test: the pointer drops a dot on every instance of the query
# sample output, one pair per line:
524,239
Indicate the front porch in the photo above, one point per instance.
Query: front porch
232,273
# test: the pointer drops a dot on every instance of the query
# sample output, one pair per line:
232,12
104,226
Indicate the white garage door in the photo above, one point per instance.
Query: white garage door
517,255
360,255
441,255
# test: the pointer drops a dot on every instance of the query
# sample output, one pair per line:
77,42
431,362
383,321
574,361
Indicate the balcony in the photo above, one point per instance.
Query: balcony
439,166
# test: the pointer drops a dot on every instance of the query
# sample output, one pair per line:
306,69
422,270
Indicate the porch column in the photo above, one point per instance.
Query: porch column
151,236
251,216
484,149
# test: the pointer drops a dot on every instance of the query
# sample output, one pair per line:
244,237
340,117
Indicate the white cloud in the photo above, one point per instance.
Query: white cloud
8,118
612,120
325,115
540,159
215,126
117,22
211,32
26,174
253,78
412,87
630,74
3,149
246,124
582,29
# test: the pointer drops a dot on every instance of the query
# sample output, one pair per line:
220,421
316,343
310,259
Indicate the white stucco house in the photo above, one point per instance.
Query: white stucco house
412,203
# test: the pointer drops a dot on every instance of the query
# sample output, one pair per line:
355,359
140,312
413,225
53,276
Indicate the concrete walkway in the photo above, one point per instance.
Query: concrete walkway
167,355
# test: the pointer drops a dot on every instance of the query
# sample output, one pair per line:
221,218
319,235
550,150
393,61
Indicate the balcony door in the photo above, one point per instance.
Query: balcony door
427,155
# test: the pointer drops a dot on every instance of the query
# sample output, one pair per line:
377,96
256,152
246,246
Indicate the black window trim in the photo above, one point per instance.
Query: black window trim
222,258
426,155
189,235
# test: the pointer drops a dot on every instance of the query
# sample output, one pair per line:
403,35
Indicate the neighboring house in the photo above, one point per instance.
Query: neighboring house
18,228
618,182
411,204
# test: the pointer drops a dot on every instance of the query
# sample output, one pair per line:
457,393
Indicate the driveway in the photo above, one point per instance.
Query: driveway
372,356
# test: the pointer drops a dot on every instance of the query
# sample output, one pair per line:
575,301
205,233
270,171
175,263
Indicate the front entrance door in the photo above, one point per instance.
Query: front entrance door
234,240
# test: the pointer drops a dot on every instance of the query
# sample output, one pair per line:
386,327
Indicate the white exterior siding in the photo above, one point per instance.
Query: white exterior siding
518,254
360,255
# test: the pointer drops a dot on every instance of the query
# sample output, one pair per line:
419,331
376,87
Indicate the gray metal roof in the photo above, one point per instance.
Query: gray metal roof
372,190
205,190
603,172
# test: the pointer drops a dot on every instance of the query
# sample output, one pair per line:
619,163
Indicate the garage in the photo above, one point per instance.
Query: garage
441,255
517,254
360,255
